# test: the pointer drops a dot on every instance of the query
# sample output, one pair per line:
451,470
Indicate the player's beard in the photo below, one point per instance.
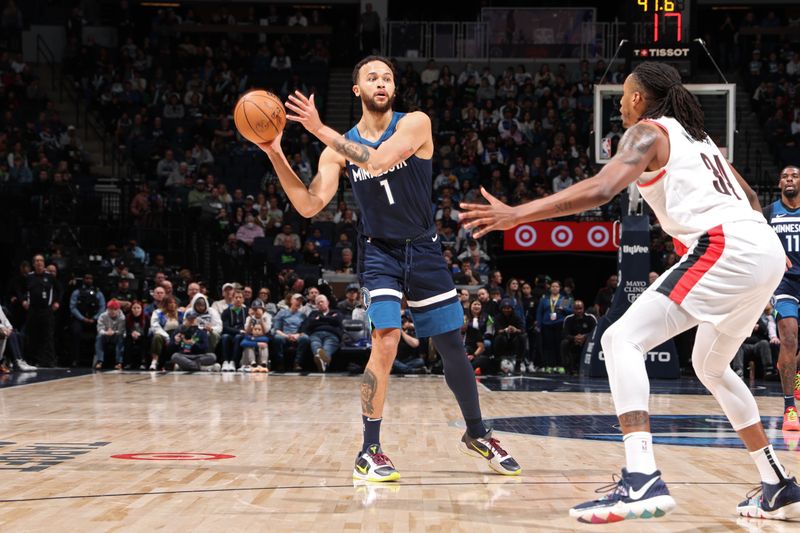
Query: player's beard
790,193
374,107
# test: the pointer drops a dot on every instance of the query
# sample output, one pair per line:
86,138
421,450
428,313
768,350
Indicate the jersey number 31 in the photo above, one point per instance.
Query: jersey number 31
721,181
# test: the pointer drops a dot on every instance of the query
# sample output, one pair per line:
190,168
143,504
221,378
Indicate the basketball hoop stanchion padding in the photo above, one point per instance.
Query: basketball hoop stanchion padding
633,264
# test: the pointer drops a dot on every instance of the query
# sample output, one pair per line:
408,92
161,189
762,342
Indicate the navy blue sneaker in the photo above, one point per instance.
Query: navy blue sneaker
780,501
634,495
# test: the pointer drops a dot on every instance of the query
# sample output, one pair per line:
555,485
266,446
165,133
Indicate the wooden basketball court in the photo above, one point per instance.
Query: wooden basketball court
122,452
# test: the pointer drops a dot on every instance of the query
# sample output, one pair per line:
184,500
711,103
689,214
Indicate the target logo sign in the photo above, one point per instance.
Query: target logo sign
598,236
562,236
525,235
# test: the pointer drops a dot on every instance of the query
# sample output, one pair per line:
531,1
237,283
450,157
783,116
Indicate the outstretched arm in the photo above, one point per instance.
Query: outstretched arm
752,197
308,201
413,131
636,151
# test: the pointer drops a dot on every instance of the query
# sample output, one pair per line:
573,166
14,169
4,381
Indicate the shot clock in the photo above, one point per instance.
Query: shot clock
664,21
661,32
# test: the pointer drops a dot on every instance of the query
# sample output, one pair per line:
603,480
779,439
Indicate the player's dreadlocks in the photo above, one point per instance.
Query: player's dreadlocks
667,96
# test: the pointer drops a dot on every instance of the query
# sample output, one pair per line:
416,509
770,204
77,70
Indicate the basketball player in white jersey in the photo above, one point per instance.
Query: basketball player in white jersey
721,285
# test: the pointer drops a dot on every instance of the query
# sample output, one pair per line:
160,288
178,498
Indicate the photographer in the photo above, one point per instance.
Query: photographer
577,328
509,338
408,360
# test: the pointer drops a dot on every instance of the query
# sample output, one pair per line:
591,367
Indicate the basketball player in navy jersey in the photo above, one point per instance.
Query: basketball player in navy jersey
387,156
784,217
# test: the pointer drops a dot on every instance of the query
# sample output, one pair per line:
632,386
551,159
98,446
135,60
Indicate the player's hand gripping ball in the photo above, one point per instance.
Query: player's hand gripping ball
259,116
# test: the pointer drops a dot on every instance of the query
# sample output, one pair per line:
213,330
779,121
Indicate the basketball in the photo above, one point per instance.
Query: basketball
259,116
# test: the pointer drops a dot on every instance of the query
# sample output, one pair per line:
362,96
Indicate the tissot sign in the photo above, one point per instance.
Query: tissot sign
562,236
660,52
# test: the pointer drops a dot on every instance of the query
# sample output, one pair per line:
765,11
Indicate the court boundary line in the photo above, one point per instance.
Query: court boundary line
16,386
340,486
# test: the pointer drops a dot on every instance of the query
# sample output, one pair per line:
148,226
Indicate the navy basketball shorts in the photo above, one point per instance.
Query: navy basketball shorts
390,270
787,298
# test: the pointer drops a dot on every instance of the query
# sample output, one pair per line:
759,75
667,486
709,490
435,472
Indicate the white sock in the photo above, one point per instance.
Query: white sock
769,467
639,452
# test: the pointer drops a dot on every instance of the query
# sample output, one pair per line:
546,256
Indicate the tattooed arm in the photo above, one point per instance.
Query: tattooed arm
412,135
413,132
640,145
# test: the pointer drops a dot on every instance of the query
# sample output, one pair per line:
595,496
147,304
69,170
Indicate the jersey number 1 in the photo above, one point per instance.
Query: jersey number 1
385,184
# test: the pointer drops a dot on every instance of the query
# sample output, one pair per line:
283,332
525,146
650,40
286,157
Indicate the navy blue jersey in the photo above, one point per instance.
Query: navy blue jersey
786,223
396,204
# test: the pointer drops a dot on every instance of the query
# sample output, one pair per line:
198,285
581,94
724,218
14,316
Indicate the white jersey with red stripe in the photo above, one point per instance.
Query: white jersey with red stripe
696,190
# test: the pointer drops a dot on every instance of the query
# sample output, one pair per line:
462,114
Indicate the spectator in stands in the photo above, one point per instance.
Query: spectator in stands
472,246
509,336
86,304
189,349
14,358
496,282
233,329
286,331
158,297
249,231
514,293
228,290
576,330
41,300
287,235
255,340
123,293
550,318
430,74
350,302
466,276
346,264
324,329
311,300
258,314
370,30
167,167
341,208
311,255
208,319
163,324
563,180
197,196
137,327
281,61
475,330
110,332
120,270
270,308
289,258
755,348
602,300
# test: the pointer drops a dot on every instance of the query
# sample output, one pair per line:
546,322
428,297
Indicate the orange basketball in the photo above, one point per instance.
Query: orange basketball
259,116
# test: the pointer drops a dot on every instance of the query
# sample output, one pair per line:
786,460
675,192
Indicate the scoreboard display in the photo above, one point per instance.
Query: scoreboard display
665,22
660,31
